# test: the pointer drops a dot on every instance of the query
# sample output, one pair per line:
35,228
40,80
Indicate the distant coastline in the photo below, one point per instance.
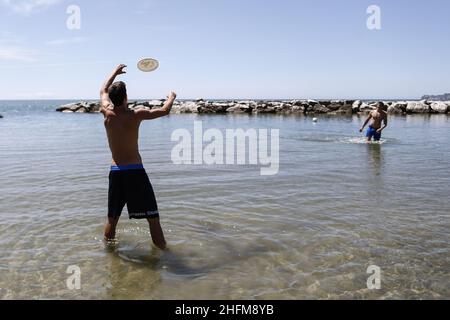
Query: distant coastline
439,97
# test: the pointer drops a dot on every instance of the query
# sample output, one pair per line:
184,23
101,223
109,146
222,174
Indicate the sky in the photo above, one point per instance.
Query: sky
219,49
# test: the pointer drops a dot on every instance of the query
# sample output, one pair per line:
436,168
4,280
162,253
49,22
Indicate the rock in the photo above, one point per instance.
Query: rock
298,109
216,107
345,109
325,103
240,108
1,117
365,108
285,107
188,107
318,108
356,105
417,107
82,110
155,103
267,107
66,107
335,105
439,107
297,103
397,108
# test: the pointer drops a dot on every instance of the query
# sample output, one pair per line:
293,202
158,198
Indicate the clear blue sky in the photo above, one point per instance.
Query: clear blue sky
226,48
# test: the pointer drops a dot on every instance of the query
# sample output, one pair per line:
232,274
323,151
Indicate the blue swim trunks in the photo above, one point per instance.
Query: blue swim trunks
372,133
129,185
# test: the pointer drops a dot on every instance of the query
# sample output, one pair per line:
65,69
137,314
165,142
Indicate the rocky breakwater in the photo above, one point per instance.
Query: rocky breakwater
302,107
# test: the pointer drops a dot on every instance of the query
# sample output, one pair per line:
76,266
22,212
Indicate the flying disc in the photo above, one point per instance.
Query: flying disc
148,65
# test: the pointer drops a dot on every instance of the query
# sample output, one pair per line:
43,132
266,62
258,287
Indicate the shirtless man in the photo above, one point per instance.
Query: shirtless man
379,122
128,180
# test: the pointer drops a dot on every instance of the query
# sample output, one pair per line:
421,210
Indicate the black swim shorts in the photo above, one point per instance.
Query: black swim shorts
130,185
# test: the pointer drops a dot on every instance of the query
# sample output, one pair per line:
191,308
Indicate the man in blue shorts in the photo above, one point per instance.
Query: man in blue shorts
378,122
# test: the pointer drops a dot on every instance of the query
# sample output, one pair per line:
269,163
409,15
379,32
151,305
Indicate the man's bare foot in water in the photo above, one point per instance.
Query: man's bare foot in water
157,233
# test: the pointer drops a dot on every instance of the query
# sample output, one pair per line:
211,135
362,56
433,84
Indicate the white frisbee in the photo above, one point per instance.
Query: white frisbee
148,65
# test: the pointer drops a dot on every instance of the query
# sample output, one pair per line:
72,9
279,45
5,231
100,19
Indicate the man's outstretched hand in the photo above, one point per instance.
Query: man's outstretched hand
172,95
119,69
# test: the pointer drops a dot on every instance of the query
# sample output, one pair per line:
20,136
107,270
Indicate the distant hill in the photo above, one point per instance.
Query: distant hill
440,97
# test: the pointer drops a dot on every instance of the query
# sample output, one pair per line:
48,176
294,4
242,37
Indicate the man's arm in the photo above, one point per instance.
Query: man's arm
385,122
144,114
365,123
105,102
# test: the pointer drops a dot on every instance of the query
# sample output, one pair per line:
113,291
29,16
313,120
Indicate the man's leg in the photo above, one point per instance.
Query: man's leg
369,134
110,229
377,137
157,233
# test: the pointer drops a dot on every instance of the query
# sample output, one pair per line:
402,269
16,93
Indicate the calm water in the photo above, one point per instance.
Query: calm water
335,208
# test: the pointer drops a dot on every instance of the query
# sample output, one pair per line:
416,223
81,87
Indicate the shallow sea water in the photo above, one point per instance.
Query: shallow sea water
337,206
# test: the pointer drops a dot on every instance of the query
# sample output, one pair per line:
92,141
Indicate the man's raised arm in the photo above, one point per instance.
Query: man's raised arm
144,114
105,102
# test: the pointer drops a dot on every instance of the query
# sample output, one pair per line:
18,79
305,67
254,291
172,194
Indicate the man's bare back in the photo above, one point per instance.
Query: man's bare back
122,128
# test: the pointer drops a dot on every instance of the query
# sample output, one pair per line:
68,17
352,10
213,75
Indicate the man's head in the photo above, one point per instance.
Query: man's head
118,93
380,106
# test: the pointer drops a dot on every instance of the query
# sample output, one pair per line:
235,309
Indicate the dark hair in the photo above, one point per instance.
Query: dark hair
117,93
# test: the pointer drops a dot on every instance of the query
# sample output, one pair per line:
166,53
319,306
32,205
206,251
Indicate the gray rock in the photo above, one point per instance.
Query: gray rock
188,107
365,108
345,109
335,105
155,103
325,103
297,103
439,107
298,109
397,108
318,108
417,107
264,108
82,110
66,107
356,105
240,108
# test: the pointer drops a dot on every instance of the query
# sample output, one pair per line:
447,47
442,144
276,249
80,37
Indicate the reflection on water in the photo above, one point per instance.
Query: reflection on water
337,206
375,158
